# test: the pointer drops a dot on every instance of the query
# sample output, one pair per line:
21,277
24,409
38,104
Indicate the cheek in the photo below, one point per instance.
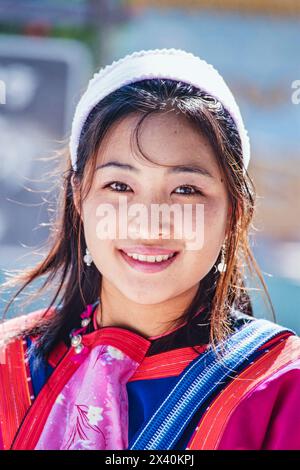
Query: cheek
99,239
97,215
209,222
199,261
101,248
215,220
89,222
203,254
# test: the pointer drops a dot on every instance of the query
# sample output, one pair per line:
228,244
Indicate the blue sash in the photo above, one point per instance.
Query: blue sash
199,381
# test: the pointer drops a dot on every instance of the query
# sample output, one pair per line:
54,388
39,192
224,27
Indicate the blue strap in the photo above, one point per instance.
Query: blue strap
199,381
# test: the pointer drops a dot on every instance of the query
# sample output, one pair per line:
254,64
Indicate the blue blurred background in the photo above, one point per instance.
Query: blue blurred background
50,49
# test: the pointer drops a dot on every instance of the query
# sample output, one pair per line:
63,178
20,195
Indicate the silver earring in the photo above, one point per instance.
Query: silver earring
222,266
87,258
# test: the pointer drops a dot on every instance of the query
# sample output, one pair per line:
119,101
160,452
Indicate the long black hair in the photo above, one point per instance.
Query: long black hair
77,285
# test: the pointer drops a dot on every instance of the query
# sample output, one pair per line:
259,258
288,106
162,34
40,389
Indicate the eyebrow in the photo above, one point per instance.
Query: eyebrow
174,169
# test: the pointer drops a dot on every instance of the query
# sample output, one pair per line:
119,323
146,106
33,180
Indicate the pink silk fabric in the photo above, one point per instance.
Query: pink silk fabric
91,412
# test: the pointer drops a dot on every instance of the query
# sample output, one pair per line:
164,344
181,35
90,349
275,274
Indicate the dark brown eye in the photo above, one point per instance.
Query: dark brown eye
118,186
188,190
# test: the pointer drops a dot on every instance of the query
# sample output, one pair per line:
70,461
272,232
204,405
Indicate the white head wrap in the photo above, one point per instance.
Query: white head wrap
173,64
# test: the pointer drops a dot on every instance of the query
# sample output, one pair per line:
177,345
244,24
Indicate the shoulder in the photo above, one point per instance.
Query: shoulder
14,328
271,407
238,319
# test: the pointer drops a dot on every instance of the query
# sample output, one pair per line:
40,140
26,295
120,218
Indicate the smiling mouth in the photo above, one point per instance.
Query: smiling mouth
149,263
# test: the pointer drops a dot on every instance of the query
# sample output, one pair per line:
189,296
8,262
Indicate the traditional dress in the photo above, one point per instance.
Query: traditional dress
115,389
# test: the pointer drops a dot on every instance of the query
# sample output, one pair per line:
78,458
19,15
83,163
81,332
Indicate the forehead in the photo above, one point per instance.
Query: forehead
166,138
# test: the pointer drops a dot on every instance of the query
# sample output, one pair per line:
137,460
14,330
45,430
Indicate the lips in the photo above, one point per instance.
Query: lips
148,266
148,250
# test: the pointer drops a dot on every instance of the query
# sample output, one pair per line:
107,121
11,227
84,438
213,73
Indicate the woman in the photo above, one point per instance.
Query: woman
149,341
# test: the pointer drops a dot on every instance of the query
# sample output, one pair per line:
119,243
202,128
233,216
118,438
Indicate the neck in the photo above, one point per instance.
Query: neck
148,320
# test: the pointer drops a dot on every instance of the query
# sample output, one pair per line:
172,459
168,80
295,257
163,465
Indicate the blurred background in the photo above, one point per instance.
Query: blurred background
50,48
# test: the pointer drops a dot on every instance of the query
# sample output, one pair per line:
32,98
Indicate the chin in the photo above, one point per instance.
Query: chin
146,297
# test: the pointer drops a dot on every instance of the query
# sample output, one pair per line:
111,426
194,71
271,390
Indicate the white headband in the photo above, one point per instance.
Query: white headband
173,64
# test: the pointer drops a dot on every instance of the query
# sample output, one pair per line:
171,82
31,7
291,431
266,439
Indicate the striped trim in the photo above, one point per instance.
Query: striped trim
167,364
213,423
14,390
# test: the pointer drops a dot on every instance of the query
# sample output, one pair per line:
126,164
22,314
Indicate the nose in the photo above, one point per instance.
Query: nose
153,222
150,228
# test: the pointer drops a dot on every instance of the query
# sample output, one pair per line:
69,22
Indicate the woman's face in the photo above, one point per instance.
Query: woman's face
166,138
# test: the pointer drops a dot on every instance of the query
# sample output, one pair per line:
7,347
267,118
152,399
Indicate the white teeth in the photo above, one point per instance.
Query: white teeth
150,258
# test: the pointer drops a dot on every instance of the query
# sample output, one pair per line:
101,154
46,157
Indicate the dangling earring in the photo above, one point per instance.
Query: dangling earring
222,266
87,258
